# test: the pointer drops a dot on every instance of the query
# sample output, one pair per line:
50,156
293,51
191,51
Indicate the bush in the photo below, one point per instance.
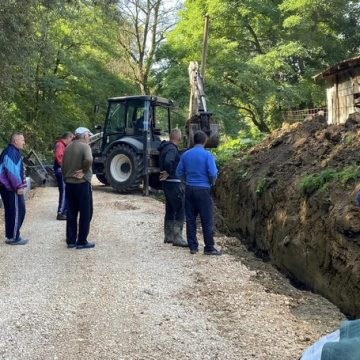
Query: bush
226,151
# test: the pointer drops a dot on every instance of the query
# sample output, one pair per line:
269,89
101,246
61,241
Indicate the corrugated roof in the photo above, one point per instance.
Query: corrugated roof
343,65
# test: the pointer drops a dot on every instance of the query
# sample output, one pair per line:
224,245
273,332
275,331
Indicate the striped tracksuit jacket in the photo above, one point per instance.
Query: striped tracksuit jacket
12,178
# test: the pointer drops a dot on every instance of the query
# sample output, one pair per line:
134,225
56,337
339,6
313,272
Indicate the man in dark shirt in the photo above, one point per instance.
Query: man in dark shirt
173,188
197,166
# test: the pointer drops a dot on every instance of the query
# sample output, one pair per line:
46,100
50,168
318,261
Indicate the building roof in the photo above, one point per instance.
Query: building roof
343,65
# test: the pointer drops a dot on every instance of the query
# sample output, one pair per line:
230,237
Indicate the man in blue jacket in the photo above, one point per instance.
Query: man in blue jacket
12,185
173,189
197,166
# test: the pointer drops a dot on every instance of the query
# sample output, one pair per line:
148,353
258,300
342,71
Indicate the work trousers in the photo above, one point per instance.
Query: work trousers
79,201
61,187
14,206
175,196
198,201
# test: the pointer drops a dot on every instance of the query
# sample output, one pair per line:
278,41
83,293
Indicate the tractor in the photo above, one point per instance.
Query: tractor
125,150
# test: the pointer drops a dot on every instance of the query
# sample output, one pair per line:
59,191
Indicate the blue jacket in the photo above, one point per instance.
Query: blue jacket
197,166
12,175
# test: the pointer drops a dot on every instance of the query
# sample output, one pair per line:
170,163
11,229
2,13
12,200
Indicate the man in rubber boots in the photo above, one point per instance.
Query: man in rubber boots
173,189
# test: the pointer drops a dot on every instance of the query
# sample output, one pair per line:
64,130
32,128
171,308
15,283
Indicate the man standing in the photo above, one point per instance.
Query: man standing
174,193
59,149
12,185
77,173
197,166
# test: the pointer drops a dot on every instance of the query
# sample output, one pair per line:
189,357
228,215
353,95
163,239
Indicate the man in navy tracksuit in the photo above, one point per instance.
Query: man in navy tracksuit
197,166
12,185
173,189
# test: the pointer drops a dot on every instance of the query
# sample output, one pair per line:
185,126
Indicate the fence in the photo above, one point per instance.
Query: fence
292,116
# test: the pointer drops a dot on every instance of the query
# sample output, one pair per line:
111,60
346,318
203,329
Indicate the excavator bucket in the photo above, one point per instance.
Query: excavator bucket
205,123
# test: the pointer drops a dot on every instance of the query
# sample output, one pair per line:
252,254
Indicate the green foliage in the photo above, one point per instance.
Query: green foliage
232,147
71,64
349,174
262,55
311,183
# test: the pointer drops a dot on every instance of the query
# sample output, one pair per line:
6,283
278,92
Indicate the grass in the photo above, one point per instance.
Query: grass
314,182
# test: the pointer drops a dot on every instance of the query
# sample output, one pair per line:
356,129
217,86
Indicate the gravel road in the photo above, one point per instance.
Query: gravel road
134,297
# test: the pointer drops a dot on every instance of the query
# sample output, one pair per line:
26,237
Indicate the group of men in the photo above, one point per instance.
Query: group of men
197,169
72,166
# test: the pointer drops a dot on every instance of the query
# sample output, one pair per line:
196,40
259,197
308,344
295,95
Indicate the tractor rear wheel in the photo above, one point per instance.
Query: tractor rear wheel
124,168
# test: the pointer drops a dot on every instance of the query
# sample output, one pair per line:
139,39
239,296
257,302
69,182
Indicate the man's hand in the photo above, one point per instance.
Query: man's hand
20,191
79,174
163,175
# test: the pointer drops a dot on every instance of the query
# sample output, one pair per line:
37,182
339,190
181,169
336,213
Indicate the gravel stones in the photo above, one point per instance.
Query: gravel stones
134,297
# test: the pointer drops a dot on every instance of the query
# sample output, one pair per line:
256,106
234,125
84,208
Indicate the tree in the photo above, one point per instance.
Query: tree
142,27
15,50
71,67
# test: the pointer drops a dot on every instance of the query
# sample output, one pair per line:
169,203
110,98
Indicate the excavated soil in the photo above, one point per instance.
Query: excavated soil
134,297
312,235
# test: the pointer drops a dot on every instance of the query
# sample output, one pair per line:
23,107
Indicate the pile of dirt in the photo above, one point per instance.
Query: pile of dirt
292,199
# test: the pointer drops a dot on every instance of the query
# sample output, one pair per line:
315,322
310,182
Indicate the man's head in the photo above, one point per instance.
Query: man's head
18,140
200,138
83,133
175,136
67,137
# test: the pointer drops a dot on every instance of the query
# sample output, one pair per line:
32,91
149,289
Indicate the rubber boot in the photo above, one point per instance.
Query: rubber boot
178,239
168,231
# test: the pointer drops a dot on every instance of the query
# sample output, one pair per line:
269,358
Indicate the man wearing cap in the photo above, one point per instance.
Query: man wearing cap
77,174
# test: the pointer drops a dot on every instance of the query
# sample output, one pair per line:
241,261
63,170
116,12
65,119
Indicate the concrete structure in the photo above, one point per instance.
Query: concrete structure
342,89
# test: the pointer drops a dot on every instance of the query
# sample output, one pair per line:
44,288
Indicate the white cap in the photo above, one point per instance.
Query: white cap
82,130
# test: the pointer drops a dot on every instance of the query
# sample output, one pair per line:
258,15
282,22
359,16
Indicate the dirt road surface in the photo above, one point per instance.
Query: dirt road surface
134,297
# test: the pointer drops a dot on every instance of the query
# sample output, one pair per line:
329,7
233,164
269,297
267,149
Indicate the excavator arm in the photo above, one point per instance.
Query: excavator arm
199,117
197,96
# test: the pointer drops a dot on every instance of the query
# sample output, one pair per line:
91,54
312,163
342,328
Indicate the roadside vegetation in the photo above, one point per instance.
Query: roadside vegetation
314,182
229,148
